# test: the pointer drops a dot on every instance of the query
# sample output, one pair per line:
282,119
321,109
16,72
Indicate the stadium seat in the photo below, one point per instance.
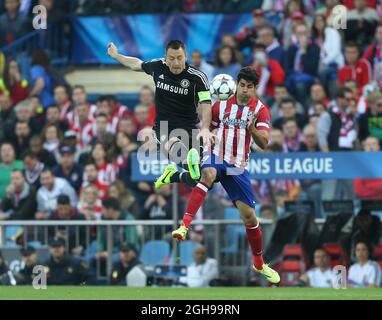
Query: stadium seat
185,253
233,232
12,233
337,254
377,254
293,265
155,252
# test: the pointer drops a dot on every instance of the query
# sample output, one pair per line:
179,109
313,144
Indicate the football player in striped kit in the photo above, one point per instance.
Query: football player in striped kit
238,122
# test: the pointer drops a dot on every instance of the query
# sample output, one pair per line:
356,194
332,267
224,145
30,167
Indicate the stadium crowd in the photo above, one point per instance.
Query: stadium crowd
63,157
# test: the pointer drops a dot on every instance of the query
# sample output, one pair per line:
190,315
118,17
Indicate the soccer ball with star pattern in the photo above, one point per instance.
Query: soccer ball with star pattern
222,86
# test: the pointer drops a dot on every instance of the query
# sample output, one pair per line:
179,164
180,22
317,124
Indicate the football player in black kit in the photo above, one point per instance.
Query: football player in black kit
180,89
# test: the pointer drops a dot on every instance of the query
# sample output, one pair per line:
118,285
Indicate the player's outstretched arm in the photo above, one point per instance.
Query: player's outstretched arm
206,116
133,63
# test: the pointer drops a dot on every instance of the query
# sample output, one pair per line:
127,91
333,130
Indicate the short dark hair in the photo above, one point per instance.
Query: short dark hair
342,91
248,74
63,199
367,245
62,86
267,28
79,86
36,137
323,250
92,163
288,100
111,203
175,44
39,57
47,170
111,98
286,120
29,153
351,44
101,98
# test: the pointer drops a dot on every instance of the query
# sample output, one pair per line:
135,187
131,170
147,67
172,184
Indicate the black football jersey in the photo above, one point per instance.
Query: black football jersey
177,96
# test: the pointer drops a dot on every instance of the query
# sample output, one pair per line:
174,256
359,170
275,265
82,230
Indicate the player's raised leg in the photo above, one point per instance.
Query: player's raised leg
255,239
196,200
174,149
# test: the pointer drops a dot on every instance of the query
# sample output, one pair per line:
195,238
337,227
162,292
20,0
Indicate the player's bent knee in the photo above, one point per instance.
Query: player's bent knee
208,176
247,213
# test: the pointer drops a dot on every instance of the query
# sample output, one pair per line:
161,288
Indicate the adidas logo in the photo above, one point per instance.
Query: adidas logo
161,77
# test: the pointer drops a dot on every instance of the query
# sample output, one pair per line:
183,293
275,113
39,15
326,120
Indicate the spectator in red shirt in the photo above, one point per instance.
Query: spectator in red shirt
141,117
107,172
369,189
90,204
79,96
356,68
11,83
91,178
270,71
62,100
115,110
127,126
146,98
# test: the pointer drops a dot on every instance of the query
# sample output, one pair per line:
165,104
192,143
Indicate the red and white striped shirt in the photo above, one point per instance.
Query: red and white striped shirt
84,133
102,188
120,112
72,116
107,173
231,120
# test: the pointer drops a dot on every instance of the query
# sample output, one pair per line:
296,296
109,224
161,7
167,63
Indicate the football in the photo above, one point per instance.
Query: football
222,86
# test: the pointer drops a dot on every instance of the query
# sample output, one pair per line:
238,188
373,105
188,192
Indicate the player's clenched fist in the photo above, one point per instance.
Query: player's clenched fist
112,50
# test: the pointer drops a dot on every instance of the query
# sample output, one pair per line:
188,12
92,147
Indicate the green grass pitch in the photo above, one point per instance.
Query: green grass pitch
168,293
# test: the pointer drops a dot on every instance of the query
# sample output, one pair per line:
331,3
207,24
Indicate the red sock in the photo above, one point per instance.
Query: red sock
194,203
255,240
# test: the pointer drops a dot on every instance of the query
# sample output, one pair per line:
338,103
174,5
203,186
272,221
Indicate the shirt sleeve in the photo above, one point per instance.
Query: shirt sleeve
263,121
215,115
150,67
374,277
37,72
40,202
323,129
203,88
352,276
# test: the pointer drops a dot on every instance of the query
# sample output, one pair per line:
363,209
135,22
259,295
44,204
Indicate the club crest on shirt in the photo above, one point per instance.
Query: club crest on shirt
185,83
